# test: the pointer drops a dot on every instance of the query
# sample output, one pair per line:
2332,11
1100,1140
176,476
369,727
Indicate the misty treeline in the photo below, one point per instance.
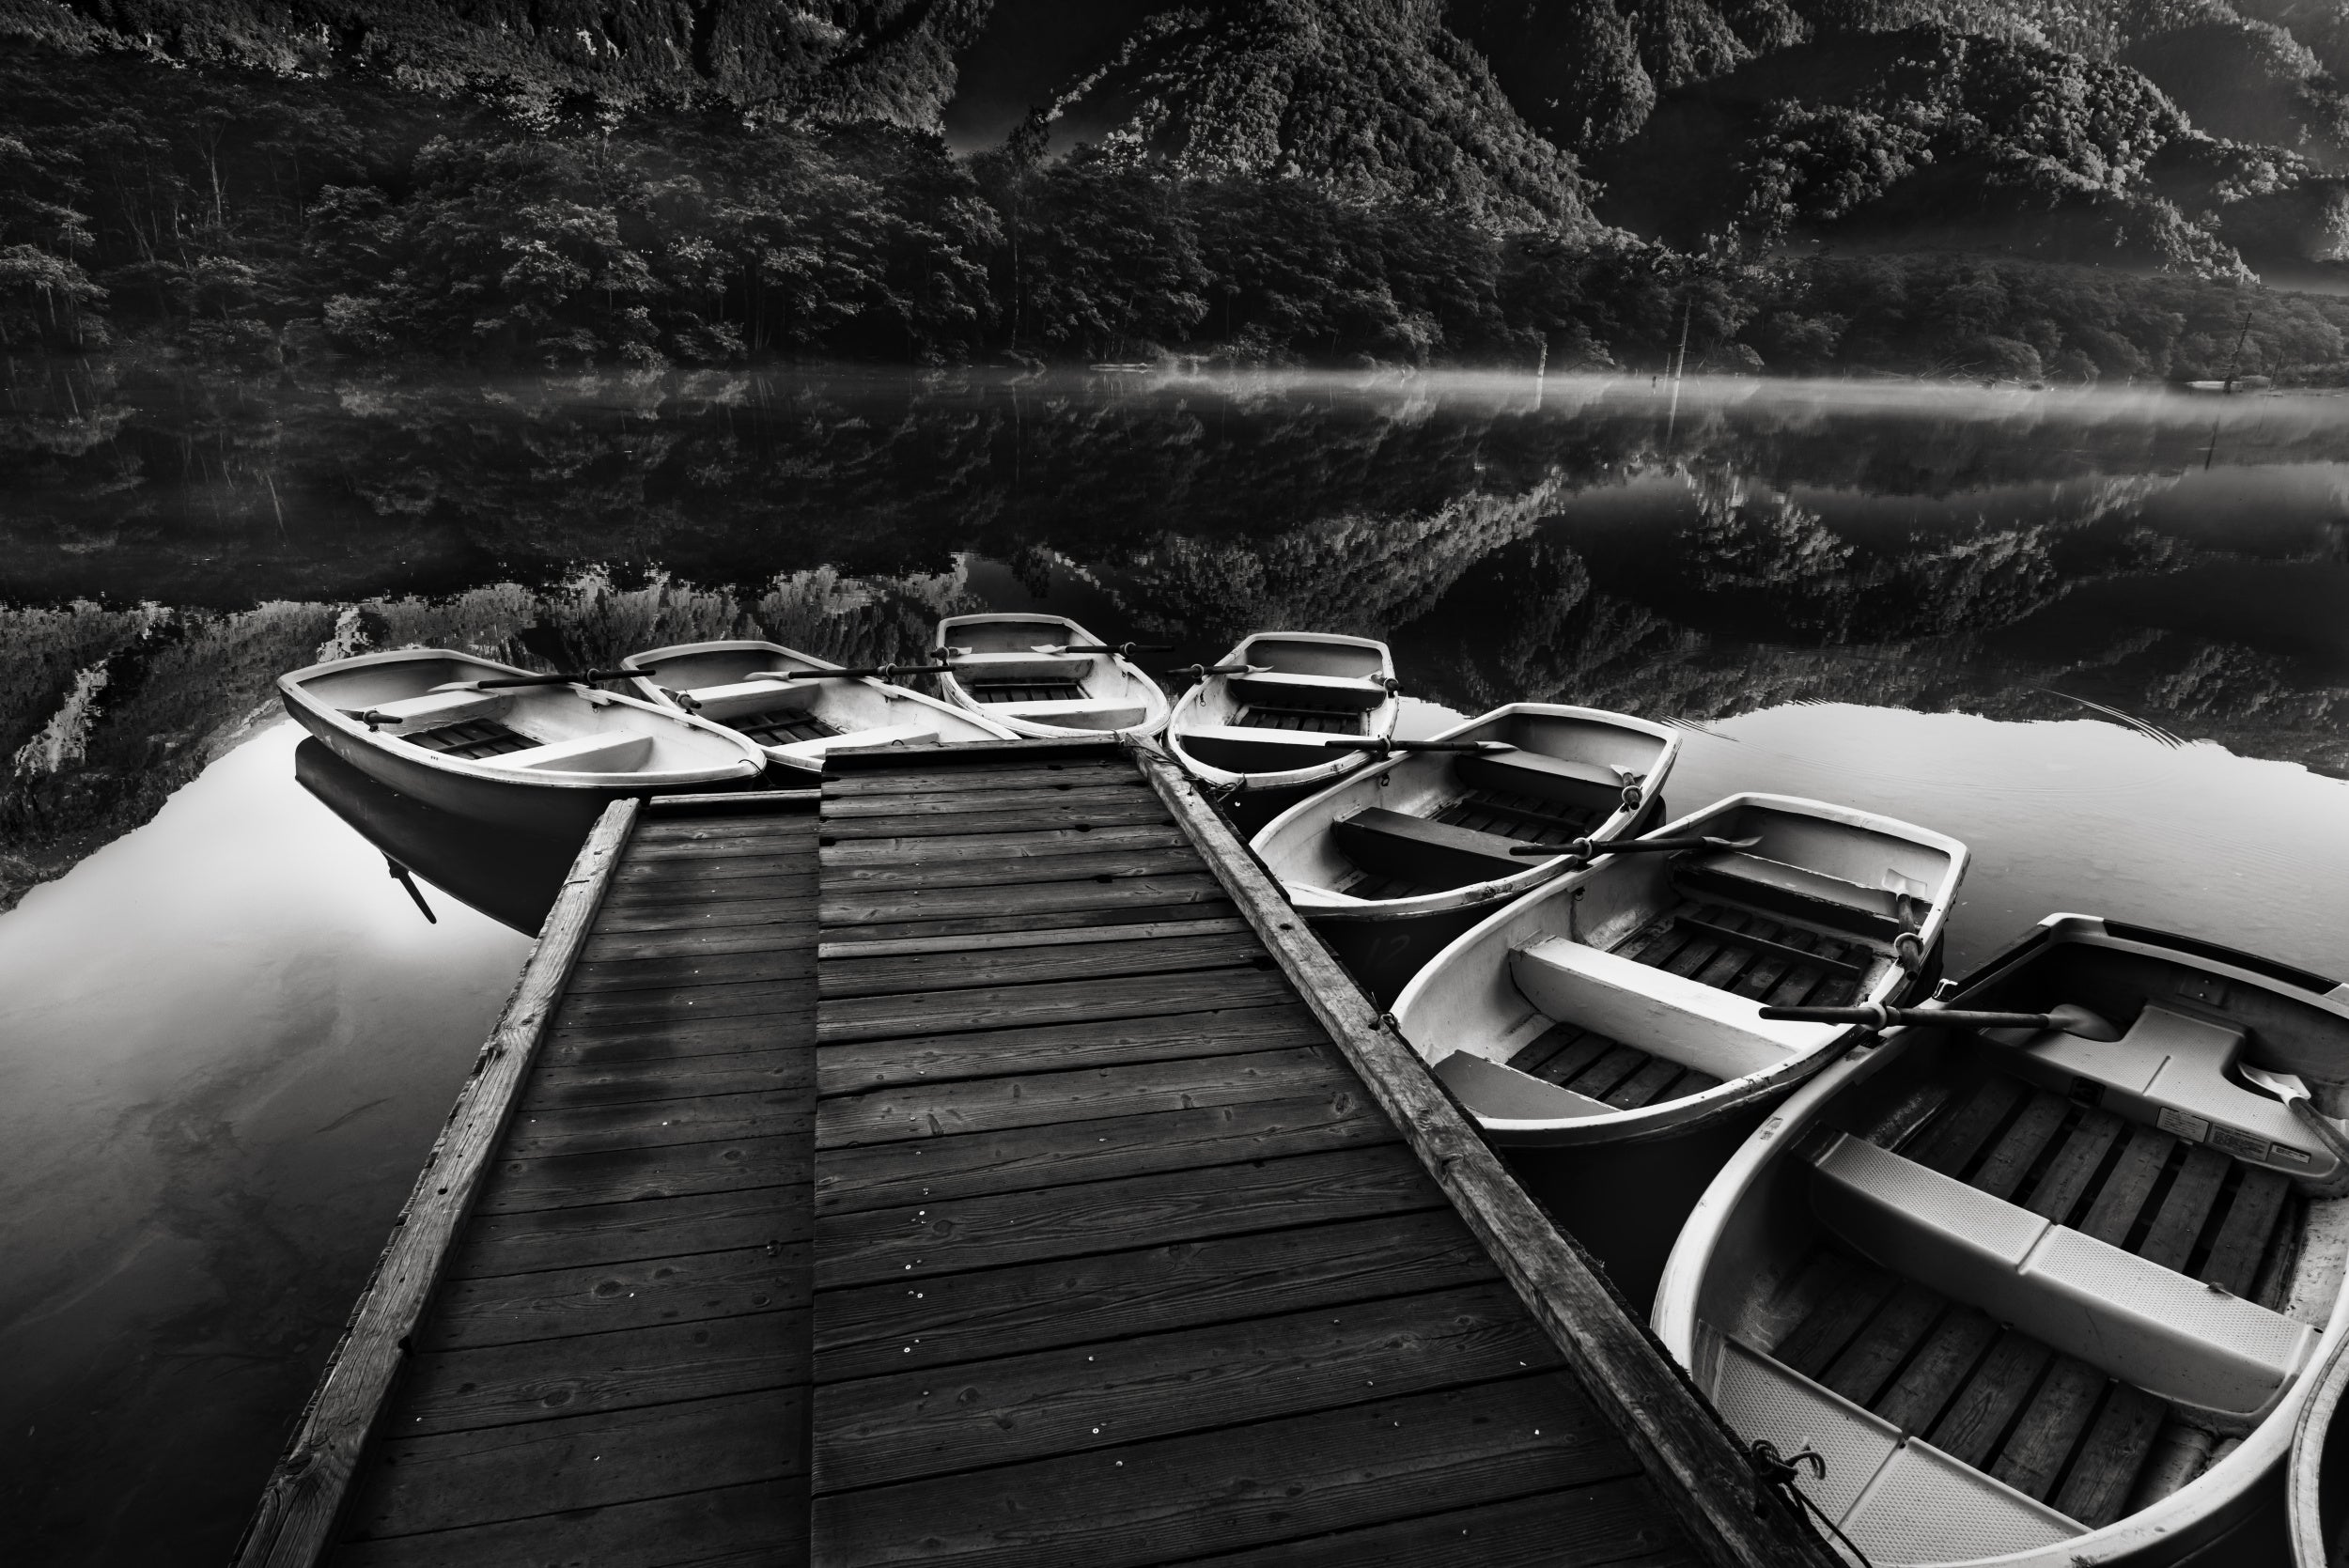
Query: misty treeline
251,218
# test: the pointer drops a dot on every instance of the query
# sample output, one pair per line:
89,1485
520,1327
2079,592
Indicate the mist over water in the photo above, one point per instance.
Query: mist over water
2103,636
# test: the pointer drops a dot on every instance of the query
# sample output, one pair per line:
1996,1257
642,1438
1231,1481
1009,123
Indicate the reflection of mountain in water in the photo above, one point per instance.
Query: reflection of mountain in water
1739,551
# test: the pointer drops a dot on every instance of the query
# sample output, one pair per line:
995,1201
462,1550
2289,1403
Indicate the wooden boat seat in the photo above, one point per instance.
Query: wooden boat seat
1276,689
2174,1072
1583,785
435,709
1667,1015
2146,1324
1900,1498
879,734
1815,896
752,696
619,753
1435,854
1076,713
1244,749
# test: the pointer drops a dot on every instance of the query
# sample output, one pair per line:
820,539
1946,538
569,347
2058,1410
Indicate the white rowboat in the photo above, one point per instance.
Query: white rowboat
1258,729
1042,677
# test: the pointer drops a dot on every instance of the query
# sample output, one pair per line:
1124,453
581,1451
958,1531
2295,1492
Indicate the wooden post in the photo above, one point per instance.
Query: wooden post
1689,1452
295,1522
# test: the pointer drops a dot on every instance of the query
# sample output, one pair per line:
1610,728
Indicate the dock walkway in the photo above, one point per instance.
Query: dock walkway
1006,1181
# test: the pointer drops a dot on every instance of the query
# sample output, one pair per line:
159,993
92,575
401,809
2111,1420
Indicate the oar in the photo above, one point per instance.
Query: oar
2293,1091
2071,1019
1123,651
1200,672
875,672
1590,849
399,875
579,677
1377,747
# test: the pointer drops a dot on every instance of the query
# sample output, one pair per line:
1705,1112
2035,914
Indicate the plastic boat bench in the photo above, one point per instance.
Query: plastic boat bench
1274,689
582,753
880,735
751,696
1583,785
2174,1336
433,709
2172,1071
1084,713
1811,896
1436,854
1666,1015
1040,669
1250,749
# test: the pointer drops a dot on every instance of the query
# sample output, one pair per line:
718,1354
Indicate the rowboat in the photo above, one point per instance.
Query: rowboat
2316,1483
1258,723
1624,1000
748,687
2041,1277
1045,675
542,753
1395,860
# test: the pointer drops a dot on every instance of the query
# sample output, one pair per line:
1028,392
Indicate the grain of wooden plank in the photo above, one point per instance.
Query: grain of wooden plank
999,941
1006,778
592,1045
1018,817
2034,1457
557,1303
634,971
1836,1321
925,1013
1612,1066
881,1176
2185,1207
1925,1386
1695,1462
702,939
2118,1442
846,1069
306,1492
942,852
1576,1058
598,1235
537,1134
686,1078
756,804
2244,1234
622,1175
1091,1093
1288,1480
652,892
745,999
662,1363
1970,1430
990,923
1544,1047
1644,1085
455,1479
796,909
1167,889
2122,1199
2012,1157
1019,966
842,811
1951,1143
1864,1367
777,847
642,872
2055,1195
861,1332
1141,1386
1621,1522
1121,860
661,828
763,1525
1032,1225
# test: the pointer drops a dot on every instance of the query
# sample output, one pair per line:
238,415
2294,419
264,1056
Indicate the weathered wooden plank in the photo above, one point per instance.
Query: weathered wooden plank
537,1134
1167,889
796,909
601,1236
1017,818
1289,1479
1951,1143
2185,1207
2050,1429
931,972
556,1303
1028,1226
1865,1366
1971,1426
744,999
942,852
639,972
843,809
2011,1159
684,1078
2056,1194
306,1492
2242,1236
1925,1386
702,939
662,1363
885,1174
1644,1085
2097,1490
2122,1199
454,1478
724,887
763,1525
851,1069
653,871
1122,860
861,1332
1088,917
782,848
927,1013
624,1176
1697,1464
746,803
1612,1066
999,941
1141,1386
596,1044
1837,1320
989,1105
1006,778
1621,1522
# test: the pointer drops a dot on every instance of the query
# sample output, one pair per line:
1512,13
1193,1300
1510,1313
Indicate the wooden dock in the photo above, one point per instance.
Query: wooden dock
1011,1179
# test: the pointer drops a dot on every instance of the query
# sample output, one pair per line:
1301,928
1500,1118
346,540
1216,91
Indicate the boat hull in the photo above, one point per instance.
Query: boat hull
1226,757
1109,679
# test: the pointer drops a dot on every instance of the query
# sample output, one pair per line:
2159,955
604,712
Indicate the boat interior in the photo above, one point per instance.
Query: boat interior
2022,1284
1007,671
551,729
1273,719
798,720
1641,981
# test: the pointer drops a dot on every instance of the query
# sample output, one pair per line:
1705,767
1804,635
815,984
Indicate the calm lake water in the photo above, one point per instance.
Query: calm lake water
2104,638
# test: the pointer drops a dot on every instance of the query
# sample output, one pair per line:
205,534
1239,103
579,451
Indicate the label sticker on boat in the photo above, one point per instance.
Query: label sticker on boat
2184,1126
2240,1145
2286,1152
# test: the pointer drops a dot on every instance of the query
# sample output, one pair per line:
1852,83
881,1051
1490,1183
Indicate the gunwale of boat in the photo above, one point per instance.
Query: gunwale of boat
1377,723
1736,1273
1748,955
1136,684
1304,820
2305,1511
781,738
297,688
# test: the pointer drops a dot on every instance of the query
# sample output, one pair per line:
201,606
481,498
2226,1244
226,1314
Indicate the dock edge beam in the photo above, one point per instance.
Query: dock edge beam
1688,1451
